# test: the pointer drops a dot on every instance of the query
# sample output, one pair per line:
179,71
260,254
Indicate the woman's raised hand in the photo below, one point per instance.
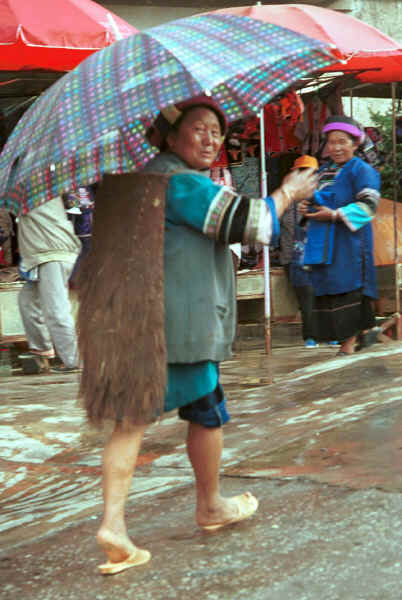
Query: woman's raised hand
299,185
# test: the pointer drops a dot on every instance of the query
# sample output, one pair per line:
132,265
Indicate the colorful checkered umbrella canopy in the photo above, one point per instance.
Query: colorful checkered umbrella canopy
94,119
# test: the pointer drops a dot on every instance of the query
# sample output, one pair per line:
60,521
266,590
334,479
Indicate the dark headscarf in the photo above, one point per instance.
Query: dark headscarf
168,117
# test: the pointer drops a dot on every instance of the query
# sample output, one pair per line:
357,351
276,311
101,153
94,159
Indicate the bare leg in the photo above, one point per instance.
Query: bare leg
348,345
393,322
119,461
384,338
390,323
204,447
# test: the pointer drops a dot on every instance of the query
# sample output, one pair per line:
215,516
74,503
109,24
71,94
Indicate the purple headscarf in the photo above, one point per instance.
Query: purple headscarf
346,124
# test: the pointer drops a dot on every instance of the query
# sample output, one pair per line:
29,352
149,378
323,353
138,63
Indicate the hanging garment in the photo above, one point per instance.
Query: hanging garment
308,130
278,132
292,107
222,159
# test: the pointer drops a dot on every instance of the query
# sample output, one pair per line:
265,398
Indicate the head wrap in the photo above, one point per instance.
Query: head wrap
346,124
305,162
169,116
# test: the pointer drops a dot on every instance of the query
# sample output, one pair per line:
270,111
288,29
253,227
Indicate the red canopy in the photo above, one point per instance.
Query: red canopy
363,47
55,34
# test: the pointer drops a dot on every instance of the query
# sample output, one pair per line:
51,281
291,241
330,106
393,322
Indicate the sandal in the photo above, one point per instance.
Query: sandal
140,557
247,504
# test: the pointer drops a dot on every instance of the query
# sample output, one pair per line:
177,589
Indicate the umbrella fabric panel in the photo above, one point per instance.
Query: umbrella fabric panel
374,69
94,119
199,43
348,34
59,24
225,51
55,34
361,46
20,57
390,72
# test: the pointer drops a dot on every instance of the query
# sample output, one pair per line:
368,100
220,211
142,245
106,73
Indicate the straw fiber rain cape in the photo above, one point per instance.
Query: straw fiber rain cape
121,302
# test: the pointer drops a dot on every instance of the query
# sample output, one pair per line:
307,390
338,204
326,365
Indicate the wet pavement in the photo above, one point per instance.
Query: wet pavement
317,439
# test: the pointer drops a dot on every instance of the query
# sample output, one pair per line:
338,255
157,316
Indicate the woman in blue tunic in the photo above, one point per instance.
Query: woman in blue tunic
340,239
202,219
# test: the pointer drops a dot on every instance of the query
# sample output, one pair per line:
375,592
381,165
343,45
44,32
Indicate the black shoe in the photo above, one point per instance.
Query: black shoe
33,364
64,369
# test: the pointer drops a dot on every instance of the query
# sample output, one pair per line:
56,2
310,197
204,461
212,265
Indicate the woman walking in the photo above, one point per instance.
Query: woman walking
202,219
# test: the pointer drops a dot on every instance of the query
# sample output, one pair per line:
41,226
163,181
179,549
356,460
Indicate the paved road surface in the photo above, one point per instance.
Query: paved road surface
318,439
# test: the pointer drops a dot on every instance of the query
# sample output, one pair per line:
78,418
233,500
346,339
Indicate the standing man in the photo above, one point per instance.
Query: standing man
48,249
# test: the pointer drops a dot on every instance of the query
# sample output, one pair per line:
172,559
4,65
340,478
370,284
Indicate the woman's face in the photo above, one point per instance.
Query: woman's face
341,146
197,139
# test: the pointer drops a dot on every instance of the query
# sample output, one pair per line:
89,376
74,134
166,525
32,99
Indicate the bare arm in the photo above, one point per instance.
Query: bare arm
295,187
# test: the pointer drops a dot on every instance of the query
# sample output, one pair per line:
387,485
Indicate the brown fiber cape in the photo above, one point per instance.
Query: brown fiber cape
121,302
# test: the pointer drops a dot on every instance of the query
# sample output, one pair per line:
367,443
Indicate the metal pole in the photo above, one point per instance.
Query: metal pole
267,287
351,103
395,201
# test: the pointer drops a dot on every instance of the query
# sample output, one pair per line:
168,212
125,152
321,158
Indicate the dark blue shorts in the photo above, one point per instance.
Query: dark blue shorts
209,411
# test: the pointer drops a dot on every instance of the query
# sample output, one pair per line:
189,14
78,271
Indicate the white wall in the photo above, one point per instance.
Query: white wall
385,15
362,106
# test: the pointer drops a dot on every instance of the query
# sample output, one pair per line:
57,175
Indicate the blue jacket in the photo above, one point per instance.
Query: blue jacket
351,265
200,304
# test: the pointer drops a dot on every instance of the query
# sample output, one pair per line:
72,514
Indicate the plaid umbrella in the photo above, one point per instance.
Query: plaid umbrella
94,119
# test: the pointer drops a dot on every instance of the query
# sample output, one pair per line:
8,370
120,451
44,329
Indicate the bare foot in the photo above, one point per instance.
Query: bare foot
121,552
117,547
227,511
348,346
